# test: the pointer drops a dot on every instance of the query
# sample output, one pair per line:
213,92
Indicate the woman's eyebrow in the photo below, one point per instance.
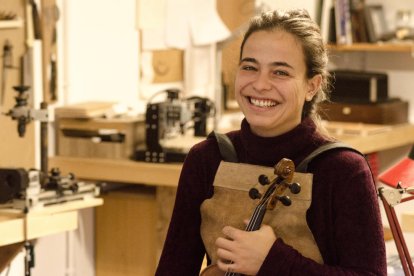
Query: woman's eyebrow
275,63
248,59
281,63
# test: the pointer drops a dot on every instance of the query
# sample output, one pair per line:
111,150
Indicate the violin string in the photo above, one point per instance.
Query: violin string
256,215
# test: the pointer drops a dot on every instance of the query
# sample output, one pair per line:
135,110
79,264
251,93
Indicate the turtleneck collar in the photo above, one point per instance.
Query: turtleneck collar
295,144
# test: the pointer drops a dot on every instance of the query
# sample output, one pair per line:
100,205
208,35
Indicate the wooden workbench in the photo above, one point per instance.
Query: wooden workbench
16,227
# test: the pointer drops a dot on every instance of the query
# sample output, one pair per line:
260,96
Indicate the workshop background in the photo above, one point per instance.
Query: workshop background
121,52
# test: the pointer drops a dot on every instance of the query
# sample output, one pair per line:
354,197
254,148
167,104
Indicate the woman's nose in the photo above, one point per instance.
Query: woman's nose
262,82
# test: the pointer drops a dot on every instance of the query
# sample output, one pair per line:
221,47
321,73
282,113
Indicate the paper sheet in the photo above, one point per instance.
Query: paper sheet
153,39
150,14
199,71
177,30
205,23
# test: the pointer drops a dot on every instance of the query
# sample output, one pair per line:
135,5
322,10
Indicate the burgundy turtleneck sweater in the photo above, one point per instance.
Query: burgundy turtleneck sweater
344,215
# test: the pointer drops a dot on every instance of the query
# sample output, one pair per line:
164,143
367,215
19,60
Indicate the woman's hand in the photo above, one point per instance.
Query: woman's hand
244,252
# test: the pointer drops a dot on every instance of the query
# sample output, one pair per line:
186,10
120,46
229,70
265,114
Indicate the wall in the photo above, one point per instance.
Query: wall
100,51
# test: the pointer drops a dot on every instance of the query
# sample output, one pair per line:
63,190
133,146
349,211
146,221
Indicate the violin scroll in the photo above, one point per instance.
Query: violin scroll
283,171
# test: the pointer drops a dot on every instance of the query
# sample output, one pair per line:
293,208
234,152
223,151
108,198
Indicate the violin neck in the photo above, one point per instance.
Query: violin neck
257,218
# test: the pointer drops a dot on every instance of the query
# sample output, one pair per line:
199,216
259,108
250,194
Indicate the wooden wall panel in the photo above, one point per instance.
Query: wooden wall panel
14,151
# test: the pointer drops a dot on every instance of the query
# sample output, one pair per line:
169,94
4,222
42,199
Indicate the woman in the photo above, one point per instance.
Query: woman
281,78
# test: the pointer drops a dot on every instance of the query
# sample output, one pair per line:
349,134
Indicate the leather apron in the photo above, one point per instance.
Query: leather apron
231,205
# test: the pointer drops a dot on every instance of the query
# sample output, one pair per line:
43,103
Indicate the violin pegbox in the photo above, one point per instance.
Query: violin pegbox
284,171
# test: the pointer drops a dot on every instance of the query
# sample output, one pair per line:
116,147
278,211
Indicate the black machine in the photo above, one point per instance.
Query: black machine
172,118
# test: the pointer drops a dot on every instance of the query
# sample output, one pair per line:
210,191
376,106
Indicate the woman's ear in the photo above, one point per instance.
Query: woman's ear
313,87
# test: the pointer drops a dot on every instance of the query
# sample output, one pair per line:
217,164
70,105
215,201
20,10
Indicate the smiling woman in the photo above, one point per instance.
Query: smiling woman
281,78
271,83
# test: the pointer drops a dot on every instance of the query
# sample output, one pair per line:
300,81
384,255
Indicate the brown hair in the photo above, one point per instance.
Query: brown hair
298,23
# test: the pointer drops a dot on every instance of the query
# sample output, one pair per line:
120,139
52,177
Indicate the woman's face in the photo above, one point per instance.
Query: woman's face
271,85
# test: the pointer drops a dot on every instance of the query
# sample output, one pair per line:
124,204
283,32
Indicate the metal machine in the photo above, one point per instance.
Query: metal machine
25,190
28,189
168,120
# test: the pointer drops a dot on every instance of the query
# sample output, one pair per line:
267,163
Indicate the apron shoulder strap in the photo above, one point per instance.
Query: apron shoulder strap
303,166
227,150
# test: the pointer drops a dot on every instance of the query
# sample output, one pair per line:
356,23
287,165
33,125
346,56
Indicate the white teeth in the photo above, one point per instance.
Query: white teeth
262,103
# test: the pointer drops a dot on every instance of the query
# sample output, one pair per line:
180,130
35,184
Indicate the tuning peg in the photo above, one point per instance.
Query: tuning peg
263,180
294,188
254,193
285,200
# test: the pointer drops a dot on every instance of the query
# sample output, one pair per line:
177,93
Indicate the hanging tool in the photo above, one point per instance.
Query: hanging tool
36,20
7,57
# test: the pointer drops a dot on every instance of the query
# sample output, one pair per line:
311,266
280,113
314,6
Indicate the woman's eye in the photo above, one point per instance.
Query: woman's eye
280,73
248,68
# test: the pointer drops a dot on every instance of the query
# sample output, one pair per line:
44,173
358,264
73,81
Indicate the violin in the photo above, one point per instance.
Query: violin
284,171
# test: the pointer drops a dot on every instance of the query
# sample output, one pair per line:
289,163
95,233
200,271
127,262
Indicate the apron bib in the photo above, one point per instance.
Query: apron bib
231,205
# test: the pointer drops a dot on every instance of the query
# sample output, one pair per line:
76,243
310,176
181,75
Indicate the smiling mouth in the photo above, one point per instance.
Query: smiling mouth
262,102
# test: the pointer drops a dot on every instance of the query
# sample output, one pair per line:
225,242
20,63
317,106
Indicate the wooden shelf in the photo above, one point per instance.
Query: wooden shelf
161,174
374,47
11,24
119,170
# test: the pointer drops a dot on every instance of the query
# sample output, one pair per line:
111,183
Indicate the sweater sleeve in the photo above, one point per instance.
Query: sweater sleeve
345,220
183,250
